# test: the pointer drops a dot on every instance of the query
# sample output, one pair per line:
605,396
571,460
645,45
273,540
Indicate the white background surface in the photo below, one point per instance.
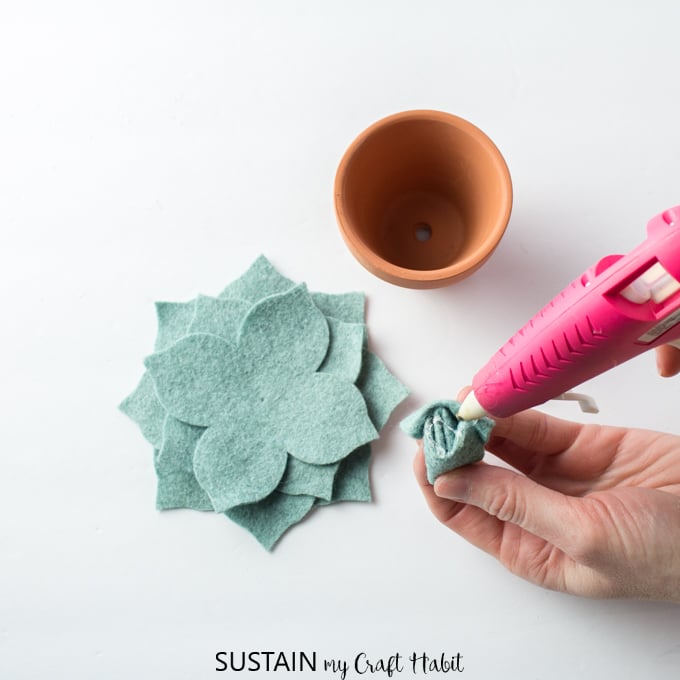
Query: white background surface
152,151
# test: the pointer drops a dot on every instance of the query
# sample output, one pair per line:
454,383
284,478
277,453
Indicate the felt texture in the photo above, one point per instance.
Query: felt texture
344,355
177,483
307,479
269,519
173,319
348,307
448,443
352,483
259,281
144,408
218,316
260,403
381,390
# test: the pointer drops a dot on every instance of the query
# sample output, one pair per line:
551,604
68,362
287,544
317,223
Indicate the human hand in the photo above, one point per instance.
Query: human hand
591,510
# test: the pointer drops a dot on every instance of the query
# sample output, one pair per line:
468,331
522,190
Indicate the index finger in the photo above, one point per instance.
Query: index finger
537,432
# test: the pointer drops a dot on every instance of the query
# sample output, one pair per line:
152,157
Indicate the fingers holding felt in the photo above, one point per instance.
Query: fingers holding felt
475,525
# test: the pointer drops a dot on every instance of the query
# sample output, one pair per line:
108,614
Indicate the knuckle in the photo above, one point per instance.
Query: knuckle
506,506
590,541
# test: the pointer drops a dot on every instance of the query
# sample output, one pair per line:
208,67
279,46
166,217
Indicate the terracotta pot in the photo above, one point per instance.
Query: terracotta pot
422,198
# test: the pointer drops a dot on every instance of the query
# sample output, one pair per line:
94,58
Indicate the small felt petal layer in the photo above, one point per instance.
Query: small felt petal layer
174,319
352,482
269,519
179,443
194,378
307,479
323,419
448,443
345,349
284,335
219,316
177,483
237,464
259,281
178,489
381,390
145,409
348,307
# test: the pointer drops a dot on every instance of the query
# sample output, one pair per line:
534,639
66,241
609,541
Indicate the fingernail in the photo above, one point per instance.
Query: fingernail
452,486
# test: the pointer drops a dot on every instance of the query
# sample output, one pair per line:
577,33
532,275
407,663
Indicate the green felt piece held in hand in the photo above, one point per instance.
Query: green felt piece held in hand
448,443
260,403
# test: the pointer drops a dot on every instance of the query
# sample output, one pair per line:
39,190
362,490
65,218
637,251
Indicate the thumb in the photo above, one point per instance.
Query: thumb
511,497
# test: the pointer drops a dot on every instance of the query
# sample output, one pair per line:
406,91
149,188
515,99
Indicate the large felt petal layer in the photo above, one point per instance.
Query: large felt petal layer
145,409
237,464
306,479
269,519
284,335
259,281
347,307
174,319
381,390
345,349
322,419
195,379
219,316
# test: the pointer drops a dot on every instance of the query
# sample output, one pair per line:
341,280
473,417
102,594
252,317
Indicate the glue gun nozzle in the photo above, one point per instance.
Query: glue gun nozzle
471,409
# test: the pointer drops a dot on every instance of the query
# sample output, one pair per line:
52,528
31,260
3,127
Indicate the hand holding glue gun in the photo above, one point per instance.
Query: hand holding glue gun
587,509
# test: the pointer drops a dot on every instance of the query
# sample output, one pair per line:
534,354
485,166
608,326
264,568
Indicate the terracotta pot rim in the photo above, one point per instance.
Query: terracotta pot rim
422,277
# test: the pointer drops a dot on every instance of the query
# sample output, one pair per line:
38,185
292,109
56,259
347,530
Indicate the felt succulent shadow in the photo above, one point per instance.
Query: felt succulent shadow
448,443
261,403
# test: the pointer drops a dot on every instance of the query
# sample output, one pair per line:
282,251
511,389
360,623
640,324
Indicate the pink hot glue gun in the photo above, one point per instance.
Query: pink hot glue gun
622,306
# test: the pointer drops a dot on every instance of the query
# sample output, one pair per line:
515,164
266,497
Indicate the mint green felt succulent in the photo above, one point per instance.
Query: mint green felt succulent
261,403
261,397
448,443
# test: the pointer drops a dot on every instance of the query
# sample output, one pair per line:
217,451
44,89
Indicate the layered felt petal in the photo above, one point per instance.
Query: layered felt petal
284,335
179,443
347,307
144,408
174,319
259,281
307,479
343,358
219,316
236,464
381,390
269,519
323,419
194,378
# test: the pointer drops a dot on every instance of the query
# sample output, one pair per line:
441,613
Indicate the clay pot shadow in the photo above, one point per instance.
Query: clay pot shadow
422,198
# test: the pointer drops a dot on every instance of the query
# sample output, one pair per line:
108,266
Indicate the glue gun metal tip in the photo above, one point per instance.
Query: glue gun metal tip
471,409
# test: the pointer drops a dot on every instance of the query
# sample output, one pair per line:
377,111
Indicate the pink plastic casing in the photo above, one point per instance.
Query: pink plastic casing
587,329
